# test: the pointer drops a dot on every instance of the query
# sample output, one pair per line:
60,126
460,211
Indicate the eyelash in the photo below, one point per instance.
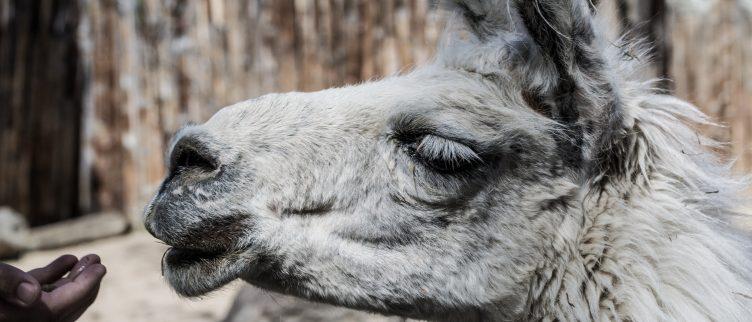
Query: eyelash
442,155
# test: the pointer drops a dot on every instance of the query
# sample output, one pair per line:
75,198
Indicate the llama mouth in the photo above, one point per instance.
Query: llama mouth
181,257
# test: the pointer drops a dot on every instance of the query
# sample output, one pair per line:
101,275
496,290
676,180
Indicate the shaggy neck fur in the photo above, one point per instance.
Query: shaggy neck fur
652,245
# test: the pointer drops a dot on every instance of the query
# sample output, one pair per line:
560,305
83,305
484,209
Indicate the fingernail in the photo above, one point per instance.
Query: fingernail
84,263
26,292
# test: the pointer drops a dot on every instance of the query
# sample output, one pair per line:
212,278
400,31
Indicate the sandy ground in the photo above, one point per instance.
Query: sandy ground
133,289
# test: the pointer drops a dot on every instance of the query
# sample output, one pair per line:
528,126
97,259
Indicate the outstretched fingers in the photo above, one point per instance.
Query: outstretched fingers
54,270
79,267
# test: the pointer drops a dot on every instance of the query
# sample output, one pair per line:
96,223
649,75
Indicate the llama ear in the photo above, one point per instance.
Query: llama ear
549,51
547,45
484,18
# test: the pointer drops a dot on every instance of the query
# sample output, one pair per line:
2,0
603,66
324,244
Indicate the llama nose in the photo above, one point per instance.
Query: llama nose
193,155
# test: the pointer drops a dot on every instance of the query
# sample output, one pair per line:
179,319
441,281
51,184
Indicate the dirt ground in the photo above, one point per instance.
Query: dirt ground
133,289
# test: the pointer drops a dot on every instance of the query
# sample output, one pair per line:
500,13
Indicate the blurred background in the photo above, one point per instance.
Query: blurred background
91,91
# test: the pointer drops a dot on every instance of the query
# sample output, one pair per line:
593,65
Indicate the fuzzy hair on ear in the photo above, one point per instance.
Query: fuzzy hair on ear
550,45
551,54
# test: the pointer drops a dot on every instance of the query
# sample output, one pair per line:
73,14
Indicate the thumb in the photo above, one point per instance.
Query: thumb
17,287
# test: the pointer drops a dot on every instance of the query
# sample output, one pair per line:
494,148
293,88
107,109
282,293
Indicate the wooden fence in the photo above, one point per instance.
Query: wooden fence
90,91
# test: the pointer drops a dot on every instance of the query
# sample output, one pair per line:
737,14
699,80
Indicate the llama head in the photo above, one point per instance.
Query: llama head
429,194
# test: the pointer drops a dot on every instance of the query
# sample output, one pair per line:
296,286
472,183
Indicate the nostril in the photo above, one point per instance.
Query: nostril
188,158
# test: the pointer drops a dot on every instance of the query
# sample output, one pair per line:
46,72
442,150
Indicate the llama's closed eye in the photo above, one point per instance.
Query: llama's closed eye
443,155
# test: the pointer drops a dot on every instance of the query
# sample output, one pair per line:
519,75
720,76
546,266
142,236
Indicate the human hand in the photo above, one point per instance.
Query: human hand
43,294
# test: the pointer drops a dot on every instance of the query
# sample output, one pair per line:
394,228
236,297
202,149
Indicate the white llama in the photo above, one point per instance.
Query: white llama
523,175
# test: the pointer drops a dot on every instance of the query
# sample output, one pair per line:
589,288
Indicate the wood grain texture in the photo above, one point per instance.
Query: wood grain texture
92,90
41,86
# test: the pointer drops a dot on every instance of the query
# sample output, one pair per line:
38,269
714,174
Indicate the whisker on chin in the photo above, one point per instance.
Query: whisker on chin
162,261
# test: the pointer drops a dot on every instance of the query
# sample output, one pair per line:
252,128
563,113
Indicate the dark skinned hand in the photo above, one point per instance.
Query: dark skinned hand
44,294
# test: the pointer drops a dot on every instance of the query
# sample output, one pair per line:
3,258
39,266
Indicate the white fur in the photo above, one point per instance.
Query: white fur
614,211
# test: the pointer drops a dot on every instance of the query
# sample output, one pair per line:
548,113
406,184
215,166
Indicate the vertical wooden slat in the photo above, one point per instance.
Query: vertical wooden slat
40,97
353,40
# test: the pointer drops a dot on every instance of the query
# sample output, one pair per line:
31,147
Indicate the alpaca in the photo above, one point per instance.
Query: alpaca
524,174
